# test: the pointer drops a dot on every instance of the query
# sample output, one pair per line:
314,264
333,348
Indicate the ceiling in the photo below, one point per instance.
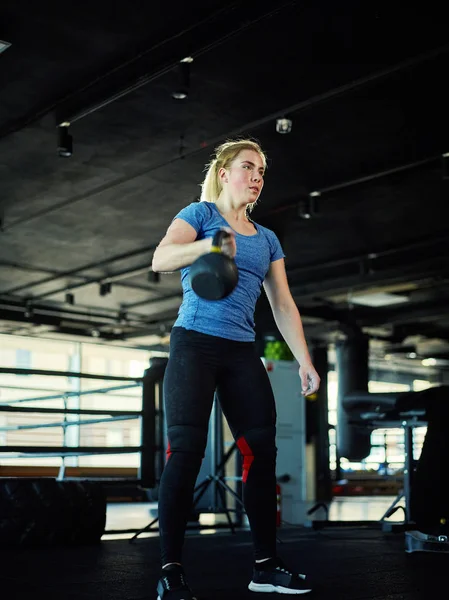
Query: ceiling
365,87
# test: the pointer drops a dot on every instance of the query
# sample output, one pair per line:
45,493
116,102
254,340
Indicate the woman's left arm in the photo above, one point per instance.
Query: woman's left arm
288,320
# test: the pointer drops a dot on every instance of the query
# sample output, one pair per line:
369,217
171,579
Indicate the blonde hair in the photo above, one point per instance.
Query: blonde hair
223,157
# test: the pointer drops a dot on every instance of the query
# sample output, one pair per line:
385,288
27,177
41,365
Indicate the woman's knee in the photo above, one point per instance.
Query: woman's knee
186,439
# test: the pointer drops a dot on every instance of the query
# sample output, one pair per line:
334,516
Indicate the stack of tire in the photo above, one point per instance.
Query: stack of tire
44,511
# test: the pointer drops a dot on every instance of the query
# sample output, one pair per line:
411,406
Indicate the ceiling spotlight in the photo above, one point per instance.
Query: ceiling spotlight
179,94
307,207
304,211
429,362
65,141
283,125
4,46
181,91
70,299
105,289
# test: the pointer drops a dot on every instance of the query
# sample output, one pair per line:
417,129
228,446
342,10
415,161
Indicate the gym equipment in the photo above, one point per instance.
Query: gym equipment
417,541
369,411
60,511
423,493
213,276
290,439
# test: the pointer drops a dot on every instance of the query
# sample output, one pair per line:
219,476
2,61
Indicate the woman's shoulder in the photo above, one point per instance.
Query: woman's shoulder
268,233
196,210
200,208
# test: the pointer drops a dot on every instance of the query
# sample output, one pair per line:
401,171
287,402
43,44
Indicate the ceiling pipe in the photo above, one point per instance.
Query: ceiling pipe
370,256
290,271
74,272
151,301
118,282
353,182
314,290
99,318
127,274
293,271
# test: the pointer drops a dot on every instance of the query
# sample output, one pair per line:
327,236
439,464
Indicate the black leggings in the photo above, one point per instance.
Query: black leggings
199,365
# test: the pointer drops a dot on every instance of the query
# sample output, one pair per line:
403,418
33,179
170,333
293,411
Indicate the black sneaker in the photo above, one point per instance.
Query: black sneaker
173,586
279,579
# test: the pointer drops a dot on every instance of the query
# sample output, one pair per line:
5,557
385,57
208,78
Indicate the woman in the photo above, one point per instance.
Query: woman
212,349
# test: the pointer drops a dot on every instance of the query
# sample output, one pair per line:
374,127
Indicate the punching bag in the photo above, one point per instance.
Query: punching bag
353,441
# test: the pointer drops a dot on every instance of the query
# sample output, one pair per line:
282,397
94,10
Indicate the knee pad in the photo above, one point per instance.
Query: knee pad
257,444
186,439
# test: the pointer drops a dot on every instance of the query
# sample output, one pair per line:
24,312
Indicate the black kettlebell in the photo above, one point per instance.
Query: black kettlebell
214,275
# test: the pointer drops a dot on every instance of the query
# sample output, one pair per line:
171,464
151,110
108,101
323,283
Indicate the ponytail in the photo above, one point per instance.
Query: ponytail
211,186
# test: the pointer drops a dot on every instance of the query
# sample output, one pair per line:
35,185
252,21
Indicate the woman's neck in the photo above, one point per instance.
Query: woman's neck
226,207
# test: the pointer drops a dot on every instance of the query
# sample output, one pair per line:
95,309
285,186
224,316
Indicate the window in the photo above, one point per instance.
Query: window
56,355
23,359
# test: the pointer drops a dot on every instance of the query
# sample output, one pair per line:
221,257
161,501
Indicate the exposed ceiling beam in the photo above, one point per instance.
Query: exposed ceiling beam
404,313
320,191
369,258
38,314
117,279
316,290
175,297
78,270
427,330
98,280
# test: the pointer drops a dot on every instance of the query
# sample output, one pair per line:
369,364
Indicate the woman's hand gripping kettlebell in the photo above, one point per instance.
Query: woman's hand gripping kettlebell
228,245
214,275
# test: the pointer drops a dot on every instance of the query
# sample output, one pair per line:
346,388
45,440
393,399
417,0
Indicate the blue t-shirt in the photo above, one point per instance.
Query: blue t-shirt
233,316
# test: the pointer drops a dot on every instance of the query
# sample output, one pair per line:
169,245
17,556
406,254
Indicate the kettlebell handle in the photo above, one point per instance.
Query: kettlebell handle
218,239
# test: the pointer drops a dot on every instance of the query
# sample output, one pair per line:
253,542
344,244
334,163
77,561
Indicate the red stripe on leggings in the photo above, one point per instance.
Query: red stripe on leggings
248,457
168,452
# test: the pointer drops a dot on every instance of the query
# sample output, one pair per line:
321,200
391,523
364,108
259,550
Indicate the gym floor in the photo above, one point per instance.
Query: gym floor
344,563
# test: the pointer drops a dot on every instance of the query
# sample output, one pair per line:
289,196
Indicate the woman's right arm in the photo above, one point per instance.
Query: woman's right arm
179,248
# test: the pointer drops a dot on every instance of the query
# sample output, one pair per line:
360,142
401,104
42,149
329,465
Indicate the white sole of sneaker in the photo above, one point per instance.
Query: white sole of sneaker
268,588
159,598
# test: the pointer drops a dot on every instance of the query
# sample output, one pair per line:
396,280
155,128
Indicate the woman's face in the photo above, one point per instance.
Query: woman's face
243,179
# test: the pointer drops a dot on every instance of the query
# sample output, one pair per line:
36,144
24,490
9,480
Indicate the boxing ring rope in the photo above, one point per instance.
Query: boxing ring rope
147,415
